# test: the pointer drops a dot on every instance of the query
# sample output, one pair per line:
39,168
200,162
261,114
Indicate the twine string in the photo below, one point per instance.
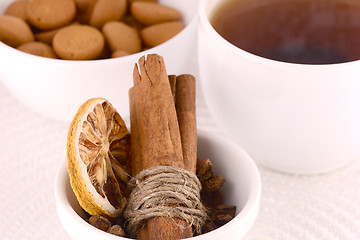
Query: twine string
165,191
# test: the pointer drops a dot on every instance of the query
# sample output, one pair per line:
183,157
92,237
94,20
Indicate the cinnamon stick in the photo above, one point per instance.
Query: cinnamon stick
183,89
158,136
136,165
186,113
172,81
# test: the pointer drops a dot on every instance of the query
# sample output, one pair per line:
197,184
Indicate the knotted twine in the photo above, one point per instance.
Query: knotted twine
165,191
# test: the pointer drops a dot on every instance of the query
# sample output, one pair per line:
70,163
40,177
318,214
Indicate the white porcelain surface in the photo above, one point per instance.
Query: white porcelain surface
55,87
290,117
242,189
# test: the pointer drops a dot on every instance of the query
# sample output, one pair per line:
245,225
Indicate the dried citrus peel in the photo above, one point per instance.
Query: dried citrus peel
97,152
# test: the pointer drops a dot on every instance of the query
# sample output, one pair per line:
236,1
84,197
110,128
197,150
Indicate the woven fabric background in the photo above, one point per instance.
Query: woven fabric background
325,206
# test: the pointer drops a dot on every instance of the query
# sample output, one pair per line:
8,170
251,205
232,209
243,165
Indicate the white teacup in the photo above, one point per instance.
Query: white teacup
296,118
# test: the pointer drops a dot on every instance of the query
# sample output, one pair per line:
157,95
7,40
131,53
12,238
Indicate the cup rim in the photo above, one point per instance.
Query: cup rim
205,23
247,213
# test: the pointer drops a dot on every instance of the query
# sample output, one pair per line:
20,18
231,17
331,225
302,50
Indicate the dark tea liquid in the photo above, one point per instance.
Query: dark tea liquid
296,31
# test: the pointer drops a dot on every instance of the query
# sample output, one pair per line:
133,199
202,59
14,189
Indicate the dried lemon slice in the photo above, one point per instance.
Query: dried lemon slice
97,151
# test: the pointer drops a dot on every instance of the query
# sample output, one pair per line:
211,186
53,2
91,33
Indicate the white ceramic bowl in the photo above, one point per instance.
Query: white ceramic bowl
55,88
242,189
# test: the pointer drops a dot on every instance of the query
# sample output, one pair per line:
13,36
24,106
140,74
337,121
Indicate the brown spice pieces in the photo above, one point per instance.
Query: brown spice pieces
218,213
106,225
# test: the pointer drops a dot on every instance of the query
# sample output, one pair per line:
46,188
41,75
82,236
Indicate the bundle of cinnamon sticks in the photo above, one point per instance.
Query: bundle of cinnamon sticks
163,132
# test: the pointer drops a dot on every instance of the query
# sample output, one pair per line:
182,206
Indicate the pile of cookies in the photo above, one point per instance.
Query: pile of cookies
87,29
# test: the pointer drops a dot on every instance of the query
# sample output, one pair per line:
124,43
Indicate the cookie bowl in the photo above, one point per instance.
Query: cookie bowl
242,189
54,87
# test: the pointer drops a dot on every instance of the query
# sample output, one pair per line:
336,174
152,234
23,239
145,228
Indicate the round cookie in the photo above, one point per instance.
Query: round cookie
120,36
17,9
78,42
119,53
149,13
107,10
49,14
38,49
14,31
159,33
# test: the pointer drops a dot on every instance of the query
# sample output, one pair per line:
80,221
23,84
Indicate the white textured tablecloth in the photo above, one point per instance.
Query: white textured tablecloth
317,207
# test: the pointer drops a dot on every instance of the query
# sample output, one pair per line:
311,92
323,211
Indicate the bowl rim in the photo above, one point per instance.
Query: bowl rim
246,215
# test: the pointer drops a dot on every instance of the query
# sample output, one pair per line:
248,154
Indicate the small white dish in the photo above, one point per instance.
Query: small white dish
242,189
